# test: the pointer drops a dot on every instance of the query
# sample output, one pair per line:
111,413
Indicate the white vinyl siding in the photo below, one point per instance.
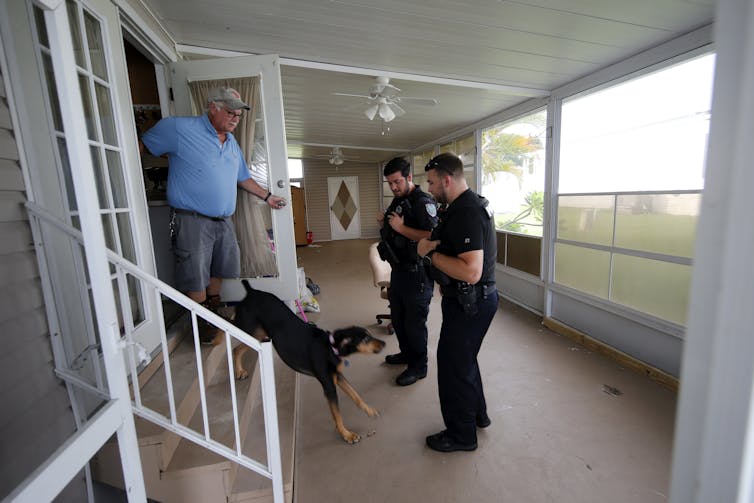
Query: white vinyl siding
39,419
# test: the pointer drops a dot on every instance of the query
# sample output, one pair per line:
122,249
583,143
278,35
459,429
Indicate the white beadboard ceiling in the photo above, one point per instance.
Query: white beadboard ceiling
476,57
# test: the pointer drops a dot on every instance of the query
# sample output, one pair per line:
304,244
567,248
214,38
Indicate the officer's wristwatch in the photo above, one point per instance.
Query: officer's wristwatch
428,257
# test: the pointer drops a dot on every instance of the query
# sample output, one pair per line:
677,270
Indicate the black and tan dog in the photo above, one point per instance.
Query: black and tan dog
305,348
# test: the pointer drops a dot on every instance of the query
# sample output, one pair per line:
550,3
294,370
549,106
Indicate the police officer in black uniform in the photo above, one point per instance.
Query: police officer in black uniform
461,255
410,217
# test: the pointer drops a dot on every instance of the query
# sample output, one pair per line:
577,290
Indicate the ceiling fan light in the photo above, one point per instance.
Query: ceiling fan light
386,113
371,111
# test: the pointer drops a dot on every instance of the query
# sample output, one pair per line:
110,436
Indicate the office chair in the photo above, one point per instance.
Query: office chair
381,278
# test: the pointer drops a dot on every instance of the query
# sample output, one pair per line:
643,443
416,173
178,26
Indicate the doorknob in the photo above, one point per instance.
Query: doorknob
281,184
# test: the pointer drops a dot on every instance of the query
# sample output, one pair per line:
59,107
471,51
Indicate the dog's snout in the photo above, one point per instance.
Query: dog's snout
377,345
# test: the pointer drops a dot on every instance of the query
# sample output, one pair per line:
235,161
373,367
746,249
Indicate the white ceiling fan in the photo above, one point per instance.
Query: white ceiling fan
336,157
383,100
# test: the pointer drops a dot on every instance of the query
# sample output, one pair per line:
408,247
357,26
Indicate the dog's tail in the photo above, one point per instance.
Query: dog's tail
247,285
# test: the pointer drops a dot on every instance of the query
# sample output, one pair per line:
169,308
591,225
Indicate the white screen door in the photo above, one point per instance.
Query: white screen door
269,143
345,217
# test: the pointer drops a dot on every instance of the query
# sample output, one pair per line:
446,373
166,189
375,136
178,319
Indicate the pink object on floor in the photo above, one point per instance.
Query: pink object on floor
301,310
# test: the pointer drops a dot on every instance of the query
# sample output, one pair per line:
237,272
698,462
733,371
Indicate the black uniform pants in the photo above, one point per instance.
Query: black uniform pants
458,378
410,295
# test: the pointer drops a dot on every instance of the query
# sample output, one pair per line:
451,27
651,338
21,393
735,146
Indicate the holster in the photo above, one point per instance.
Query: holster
467,297
387,253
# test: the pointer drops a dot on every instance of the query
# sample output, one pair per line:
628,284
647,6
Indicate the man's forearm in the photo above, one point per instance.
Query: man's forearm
252,187
414,234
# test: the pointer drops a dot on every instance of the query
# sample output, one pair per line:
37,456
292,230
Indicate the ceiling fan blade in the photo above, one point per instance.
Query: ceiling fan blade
417,101
398,111
371,111
389,91
353,95
386,112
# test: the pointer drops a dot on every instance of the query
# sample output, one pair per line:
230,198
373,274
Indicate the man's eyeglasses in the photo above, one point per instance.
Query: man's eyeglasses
232,113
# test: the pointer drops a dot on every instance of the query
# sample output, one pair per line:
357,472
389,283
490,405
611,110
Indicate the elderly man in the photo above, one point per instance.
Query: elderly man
205,167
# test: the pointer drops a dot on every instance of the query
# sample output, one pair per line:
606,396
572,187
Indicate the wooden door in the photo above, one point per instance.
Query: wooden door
298,201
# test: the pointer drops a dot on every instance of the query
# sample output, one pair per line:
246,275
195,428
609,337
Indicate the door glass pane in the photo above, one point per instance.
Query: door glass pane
117,183
39,22
125,232
107,226
654,287
99,177
78,45
659,223
57,120
135,297
107,121
588,219
118,305
583,269
86,100
96,51
257,243
66,168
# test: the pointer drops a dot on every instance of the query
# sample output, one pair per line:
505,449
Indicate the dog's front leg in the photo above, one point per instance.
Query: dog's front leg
348,435
348,389
331,394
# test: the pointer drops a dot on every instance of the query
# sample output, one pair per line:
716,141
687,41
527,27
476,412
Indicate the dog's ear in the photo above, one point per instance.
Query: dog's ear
354,332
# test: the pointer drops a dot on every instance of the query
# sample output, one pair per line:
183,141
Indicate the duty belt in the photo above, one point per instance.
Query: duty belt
409,267
181,211
484,289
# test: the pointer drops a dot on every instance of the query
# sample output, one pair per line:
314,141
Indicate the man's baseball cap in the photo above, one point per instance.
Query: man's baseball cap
229,96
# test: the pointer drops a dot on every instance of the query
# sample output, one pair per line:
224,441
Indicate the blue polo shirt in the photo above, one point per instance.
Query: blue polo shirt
203,174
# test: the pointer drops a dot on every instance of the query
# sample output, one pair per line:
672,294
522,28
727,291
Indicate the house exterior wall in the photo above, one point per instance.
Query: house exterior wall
316,173
36,416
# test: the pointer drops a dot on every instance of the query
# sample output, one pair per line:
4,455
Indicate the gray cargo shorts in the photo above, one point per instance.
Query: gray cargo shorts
204,248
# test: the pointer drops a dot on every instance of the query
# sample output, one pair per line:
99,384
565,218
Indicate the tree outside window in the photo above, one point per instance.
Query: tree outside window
513,173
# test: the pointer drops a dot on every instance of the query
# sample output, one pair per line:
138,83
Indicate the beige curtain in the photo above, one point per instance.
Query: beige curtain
257,255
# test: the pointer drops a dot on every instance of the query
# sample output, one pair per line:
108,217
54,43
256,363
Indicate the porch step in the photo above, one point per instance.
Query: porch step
178,470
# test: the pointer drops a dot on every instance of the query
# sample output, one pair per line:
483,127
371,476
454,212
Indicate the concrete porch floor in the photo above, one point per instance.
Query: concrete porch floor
557,435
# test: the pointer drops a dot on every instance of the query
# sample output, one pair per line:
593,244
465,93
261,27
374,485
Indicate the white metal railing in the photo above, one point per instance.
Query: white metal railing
123,269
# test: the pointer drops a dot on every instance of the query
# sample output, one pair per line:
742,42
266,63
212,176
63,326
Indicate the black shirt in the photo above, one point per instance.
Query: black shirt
467,225
419,211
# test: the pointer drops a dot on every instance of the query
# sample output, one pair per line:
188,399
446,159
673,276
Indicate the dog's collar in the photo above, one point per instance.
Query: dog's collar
332,344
